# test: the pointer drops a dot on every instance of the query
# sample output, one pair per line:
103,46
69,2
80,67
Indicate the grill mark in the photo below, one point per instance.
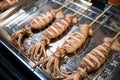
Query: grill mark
95,59
46,18
99,57
69,42
66,44
106,45
54,29
102,48
65,22
59,25
41,20
35,21
78,36
49,32
86,65
89,62
99,53
46,33
95,63
81,35
72,38
75,38
49,16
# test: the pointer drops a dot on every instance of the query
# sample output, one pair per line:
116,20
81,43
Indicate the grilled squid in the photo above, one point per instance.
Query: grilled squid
93,60
6,4
43,19
37,23
51,63
56,29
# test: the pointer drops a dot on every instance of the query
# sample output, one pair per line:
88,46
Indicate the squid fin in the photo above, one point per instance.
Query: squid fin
116,45
59,15
107,39
75,20
91,32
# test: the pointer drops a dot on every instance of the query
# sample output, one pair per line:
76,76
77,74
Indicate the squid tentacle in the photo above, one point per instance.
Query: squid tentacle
37,51
17,37
20,45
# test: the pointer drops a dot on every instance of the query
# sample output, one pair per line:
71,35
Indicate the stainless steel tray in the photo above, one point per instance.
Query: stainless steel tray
12,10
26,14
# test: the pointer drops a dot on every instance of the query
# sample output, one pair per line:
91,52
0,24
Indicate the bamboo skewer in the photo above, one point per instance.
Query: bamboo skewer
99,16
101,25
116,36
63,6
79,9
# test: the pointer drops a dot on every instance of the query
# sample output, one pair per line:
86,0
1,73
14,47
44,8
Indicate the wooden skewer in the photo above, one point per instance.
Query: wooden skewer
101,25
116,36
99,16
63,6
79,10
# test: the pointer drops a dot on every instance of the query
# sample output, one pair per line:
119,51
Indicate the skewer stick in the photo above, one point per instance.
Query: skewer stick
63,6
116,36
80,9
99,16
101,25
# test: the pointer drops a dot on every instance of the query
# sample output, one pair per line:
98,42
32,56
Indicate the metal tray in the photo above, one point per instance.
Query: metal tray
12,10
26,14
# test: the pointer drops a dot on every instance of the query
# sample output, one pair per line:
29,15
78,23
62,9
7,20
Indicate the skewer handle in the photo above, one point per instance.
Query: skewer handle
100,16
